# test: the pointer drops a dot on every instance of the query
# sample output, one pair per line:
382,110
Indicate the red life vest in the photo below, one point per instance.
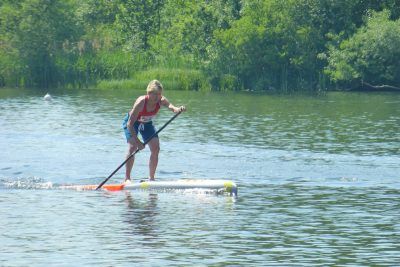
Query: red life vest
147,116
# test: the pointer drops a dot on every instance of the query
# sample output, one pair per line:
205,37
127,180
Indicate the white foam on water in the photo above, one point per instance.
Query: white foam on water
26,183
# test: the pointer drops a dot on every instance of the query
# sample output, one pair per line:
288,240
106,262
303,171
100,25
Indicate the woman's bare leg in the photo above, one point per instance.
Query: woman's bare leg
154,145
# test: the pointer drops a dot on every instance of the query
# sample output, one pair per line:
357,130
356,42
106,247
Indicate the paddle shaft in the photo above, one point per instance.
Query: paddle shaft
137,150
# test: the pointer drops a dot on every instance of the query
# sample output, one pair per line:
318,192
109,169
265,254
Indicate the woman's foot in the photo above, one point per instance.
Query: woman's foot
147,180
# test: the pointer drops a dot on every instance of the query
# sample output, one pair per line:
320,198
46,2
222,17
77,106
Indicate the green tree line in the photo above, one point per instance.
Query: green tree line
278,45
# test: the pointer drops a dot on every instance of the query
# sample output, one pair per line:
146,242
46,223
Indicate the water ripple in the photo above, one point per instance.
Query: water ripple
318,181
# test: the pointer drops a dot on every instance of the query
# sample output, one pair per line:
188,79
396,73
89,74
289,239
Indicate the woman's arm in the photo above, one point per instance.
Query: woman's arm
166,103
133,116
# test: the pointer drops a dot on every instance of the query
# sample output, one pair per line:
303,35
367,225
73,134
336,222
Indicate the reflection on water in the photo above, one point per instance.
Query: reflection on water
318,181
141,215
267,225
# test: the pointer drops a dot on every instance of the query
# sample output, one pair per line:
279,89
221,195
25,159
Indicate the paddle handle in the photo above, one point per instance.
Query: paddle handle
137,150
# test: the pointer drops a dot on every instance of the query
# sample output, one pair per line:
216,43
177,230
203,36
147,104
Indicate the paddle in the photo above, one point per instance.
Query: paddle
137,150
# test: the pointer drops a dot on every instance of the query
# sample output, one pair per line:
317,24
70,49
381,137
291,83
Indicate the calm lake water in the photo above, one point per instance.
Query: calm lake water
318,176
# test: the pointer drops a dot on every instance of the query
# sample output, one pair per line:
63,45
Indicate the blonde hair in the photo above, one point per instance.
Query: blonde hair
154,85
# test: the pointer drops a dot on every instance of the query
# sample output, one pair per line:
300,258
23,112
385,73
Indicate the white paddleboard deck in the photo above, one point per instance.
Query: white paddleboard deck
218,185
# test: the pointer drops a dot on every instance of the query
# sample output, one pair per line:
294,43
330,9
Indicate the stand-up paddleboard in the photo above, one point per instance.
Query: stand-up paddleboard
219,185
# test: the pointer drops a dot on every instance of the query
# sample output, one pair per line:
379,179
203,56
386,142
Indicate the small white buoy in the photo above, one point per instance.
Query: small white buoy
47,97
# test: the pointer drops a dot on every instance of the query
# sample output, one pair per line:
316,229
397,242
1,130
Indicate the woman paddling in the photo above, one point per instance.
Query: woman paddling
139,120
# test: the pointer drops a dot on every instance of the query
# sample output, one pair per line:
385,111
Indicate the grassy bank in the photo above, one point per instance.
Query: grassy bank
175,79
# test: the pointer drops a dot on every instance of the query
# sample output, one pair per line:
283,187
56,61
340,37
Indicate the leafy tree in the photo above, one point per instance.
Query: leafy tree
267,48
371,55
10,63
140,19
36,29
283,44
187,29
